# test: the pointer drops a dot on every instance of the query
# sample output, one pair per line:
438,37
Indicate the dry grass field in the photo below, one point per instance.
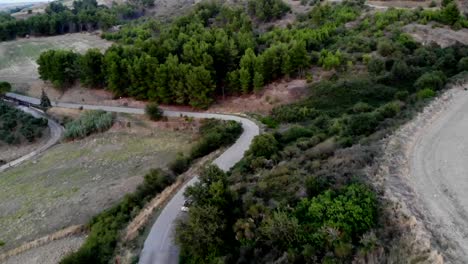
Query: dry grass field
18,58
76,180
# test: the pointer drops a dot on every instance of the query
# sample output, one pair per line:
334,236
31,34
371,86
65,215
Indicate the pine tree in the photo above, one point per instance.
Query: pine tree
258,81
245,80
45,101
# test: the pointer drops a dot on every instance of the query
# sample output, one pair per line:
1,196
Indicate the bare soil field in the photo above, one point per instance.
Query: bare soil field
75,180
443,36
18,64
274,94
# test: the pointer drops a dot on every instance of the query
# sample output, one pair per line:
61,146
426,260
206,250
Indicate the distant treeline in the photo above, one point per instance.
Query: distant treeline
85,15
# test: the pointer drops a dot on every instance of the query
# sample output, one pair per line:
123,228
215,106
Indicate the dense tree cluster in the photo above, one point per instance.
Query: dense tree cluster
16,126
211,52
85,15
267,10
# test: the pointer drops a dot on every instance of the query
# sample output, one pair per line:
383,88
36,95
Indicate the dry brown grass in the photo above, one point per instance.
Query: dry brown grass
69,231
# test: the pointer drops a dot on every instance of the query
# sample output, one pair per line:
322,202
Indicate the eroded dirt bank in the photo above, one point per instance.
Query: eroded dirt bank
425,173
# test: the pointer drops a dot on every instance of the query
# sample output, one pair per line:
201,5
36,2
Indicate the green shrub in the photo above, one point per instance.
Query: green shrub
388,110
431,80
425,94
264,145
463,64
385,48
376,66
295,133
269,122
88,123
180,164
361,107
362,124
216,134
153,111
5,87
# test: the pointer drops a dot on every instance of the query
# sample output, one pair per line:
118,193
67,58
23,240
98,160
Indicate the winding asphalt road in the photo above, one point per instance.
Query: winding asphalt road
159,247
439,175
56,131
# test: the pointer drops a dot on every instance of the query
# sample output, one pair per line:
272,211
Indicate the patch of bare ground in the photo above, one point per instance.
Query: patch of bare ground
406,210
50,253
401,3
37,251
170,8
274,94
442,35
75,180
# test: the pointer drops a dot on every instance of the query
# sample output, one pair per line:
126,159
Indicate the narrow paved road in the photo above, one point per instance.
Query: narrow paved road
439,175
159,247
55,135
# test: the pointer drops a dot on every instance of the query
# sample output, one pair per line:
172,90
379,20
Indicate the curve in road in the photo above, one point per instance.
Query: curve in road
159,247
439,174
56,131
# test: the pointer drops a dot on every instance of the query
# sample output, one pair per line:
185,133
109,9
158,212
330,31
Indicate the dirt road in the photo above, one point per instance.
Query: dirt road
439,176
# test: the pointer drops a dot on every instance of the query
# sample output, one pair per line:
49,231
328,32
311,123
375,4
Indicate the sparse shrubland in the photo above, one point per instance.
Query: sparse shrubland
17,126
88,123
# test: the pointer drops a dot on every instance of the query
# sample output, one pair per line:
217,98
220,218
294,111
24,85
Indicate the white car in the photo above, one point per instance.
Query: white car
185,207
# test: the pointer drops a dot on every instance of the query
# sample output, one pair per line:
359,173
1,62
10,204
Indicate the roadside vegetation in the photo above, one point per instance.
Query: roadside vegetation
5,87
105,228
88,123
17,126
215,134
